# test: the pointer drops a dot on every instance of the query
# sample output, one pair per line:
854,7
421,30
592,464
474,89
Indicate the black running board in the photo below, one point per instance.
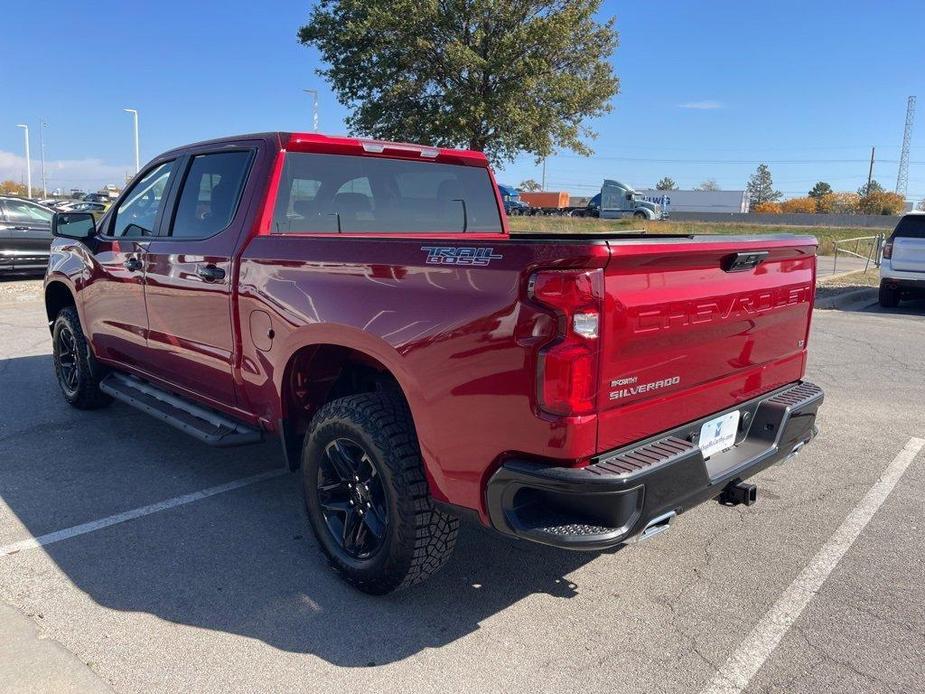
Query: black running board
200,422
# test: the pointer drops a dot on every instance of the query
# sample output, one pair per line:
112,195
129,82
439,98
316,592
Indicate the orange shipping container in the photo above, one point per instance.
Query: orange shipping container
546,199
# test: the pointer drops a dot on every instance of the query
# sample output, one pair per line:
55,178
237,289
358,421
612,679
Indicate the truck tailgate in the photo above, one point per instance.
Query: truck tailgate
909,254
687,333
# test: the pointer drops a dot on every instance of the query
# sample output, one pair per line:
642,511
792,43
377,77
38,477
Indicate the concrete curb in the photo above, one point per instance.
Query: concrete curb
32,662
849,301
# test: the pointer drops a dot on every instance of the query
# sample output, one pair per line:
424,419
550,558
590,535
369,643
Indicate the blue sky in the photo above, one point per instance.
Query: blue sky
709,88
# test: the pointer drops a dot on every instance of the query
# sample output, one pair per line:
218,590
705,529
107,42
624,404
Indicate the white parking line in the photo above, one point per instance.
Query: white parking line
752,653
85,528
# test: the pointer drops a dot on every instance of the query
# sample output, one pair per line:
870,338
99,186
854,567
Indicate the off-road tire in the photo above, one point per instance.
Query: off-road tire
419,538
640,215
889,296
84,390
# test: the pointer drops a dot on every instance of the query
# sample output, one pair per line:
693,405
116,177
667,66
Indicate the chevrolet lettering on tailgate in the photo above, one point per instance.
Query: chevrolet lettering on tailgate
701,312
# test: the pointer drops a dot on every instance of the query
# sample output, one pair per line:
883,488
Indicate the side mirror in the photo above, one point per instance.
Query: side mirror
73,225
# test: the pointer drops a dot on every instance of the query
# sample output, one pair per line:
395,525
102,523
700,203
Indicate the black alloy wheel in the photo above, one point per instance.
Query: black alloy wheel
76,370
67,358
367,496
352,499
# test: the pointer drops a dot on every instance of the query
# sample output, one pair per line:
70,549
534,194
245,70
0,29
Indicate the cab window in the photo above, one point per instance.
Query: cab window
325,193
912,226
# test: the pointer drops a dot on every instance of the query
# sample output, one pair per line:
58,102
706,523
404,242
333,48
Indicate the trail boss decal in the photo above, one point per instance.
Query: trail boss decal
460,255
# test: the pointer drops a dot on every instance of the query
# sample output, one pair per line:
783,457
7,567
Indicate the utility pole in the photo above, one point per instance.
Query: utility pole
314,95
42,125
543,185
137,157
870,171
28,161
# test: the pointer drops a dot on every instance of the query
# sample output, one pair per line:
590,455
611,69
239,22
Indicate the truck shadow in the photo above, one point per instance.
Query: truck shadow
242,562
21,276
909,307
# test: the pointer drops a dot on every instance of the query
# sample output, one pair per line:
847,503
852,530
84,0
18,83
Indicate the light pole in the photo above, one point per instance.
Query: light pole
42,127
28,161
314,95
137,157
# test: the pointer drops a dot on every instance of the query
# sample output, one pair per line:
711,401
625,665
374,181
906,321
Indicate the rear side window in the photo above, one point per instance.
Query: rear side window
328,193
210,194
912,226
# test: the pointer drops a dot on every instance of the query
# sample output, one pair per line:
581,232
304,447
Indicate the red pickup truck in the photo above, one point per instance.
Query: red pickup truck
365,302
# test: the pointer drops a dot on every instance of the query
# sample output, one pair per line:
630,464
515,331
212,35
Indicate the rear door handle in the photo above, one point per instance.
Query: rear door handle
133,264
210,273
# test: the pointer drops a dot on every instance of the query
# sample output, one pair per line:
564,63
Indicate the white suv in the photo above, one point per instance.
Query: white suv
902,270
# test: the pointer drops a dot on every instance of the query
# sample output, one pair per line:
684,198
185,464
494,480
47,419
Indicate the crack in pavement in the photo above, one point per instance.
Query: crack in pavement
826,656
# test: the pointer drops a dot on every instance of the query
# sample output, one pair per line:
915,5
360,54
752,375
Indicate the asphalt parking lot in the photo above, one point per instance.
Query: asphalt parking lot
227,591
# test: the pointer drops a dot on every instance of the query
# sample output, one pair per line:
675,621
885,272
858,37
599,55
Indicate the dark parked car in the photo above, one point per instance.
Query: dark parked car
97,197
25,236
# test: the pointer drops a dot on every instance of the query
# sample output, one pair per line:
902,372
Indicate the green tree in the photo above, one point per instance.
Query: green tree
529,185
500,76
821,188
710,184
760,187
667,183
872,187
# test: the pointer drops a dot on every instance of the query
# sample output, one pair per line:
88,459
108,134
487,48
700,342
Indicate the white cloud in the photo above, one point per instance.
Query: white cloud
89,174
702,105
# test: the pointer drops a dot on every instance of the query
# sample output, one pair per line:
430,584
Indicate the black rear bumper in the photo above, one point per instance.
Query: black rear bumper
910,285
622,492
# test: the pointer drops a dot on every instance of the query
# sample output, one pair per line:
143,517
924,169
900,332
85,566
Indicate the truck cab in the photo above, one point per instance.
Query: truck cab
513,205
618,200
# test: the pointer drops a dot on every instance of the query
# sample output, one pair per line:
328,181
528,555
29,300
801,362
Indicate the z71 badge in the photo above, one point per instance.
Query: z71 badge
460,255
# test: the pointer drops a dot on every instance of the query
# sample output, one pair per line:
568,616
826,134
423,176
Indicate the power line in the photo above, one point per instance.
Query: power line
730,161
659,148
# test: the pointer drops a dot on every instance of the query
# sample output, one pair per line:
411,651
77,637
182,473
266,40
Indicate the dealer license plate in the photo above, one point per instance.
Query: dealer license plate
719,434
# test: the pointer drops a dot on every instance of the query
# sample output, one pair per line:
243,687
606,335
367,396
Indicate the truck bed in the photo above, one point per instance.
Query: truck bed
463,339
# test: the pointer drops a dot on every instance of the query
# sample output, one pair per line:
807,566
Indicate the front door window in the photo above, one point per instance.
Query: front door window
137,214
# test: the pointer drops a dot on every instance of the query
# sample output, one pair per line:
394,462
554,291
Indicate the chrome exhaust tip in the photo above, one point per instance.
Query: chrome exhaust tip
794,452
656,526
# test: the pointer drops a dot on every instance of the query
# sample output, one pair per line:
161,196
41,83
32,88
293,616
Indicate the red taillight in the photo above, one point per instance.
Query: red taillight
888,250
567,370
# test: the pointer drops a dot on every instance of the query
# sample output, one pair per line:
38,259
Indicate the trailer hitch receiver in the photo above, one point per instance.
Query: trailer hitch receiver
739,492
